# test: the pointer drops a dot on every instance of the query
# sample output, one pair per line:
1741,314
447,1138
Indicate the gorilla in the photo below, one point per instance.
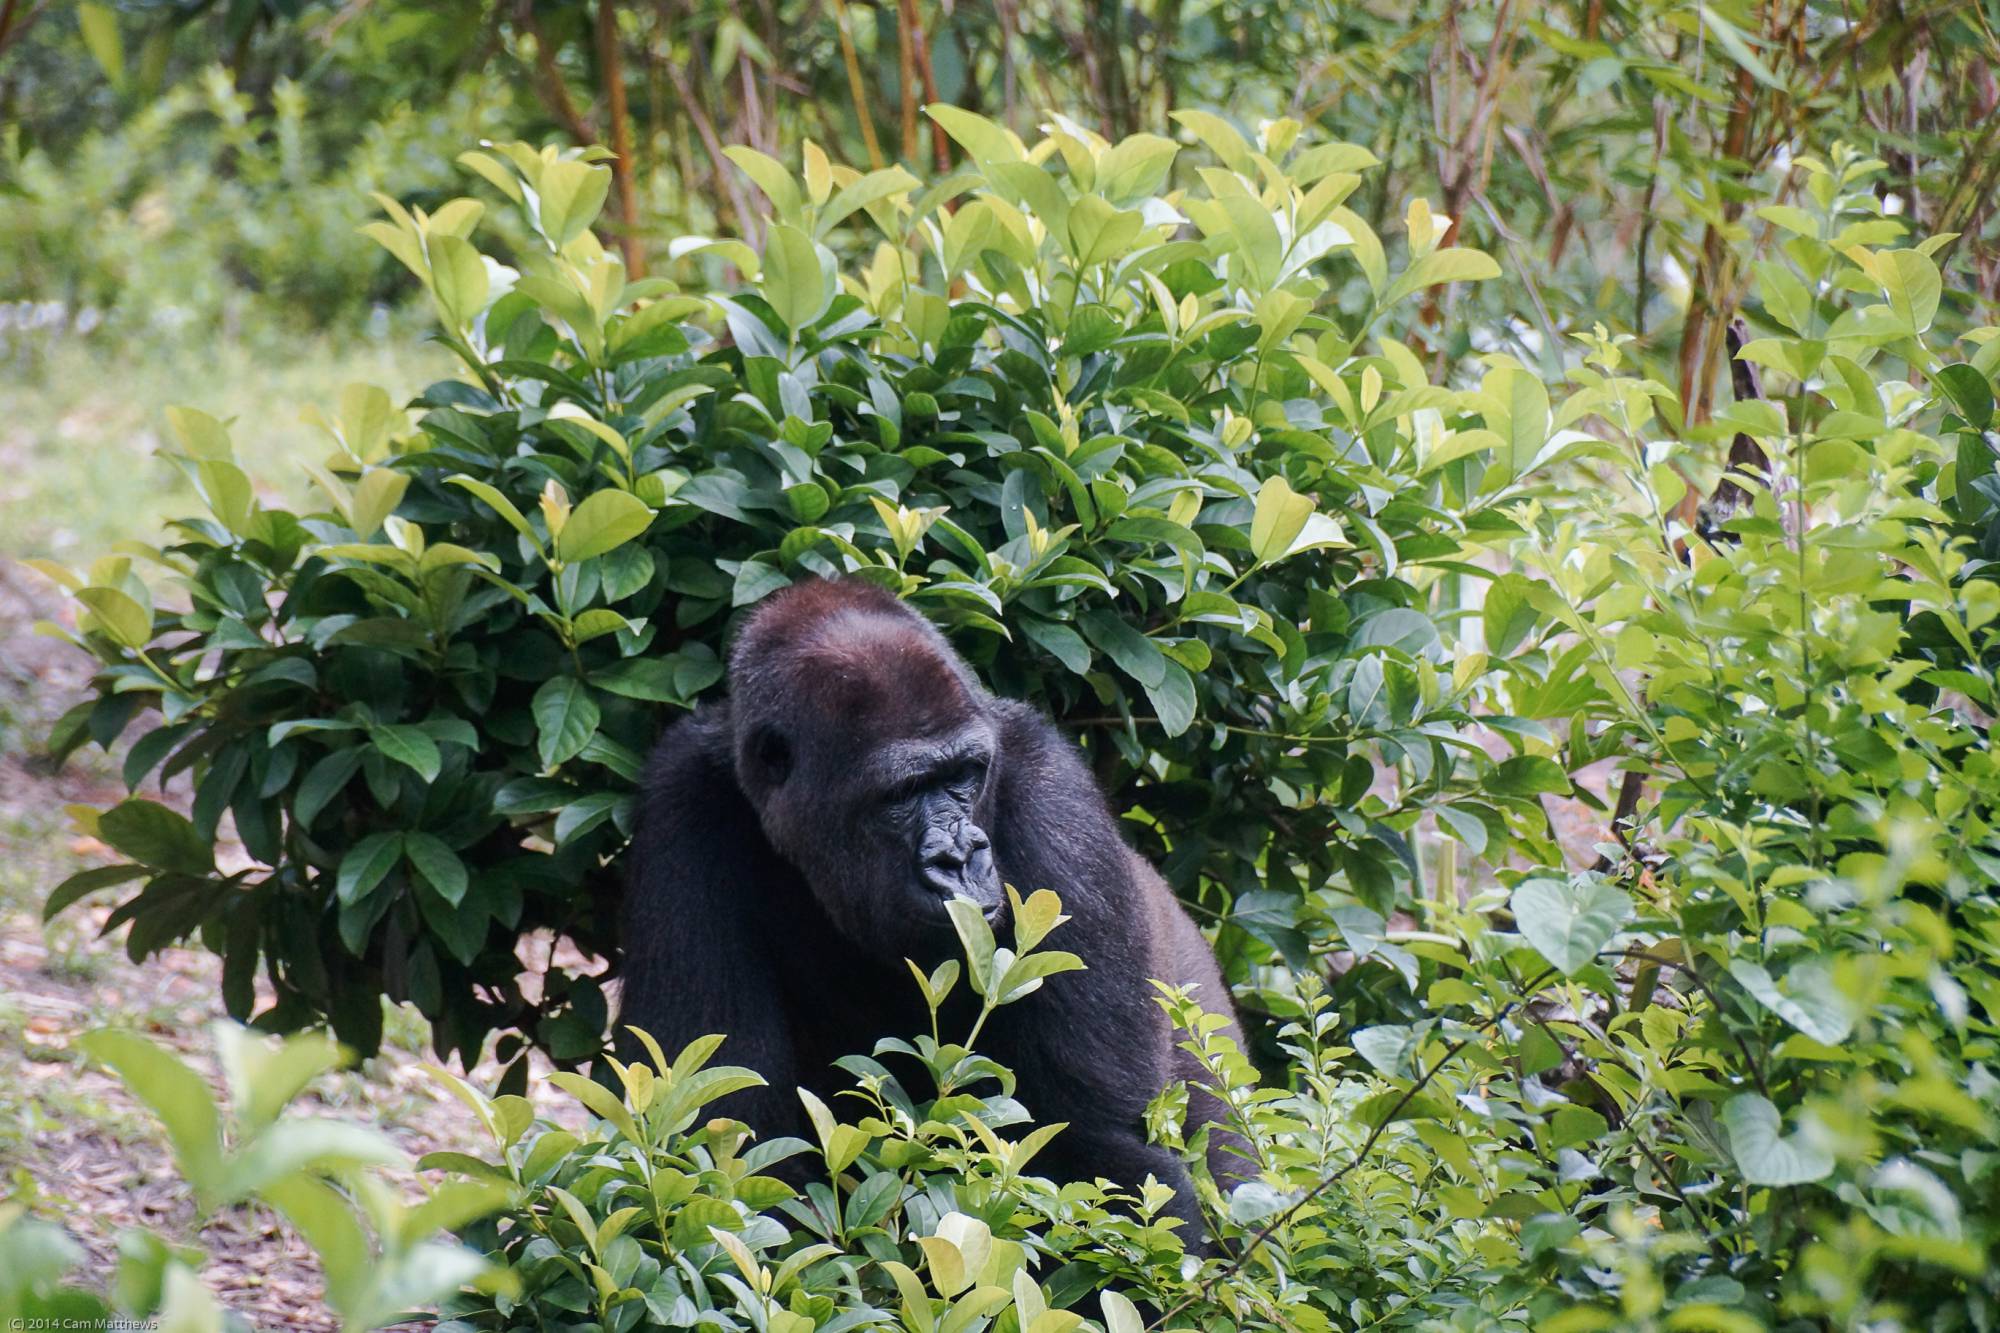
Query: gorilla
796,842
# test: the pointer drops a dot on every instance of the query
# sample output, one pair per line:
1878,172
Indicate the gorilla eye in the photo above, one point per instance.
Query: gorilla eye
772,754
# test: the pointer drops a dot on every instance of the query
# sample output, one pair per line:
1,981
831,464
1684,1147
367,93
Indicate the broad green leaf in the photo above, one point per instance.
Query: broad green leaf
566,718
604,521
1970,393
410,746
264,1073
1258,244
1136,655
495,174
1098,232
601,1102
226,489
438,864
1792,218
100,37
458,276
119,616
86,882
1120,1315
328,1224
153,835
365,865
978,136
1135,167
1173,699
1059,641
500,505
1806,997
1516,405
1569,920
1913,285
1222,139
771,177
870,189
376,496
1509,613
1764,1153
1391,1048
796,281
977,939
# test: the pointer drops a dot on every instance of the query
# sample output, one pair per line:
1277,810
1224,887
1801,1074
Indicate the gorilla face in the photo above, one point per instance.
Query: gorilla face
869,755
885,833
928,805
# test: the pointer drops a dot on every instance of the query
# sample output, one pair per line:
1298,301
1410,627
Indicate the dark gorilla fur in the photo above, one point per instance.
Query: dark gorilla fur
797,842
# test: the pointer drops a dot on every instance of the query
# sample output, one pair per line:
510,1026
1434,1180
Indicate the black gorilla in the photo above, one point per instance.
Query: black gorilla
797,842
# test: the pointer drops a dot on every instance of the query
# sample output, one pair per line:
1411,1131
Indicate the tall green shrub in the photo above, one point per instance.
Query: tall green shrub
1135,451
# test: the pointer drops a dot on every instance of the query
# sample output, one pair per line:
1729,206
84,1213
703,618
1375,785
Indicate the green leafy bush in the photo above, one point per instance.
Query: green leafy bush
921,1211
1133,450
376,1252
1794,1062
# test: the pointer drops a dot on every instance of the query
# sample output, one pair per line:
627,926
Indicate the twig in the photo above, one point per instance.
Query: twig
623,168
745,218
554,91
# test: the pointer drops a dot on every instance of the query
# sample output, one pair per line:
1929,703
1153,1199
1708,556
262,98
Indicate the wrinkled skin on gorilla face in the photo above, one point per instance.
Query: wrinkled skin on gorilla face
872,765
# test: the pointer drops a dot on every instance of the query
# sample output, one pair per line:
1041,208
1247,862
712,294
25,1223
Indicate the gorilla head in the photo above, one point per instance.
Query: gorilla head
871,756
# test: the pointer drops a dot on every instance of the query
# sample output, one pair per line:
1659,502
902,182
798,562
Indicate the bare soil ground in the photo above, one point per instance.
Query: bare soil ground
75,1146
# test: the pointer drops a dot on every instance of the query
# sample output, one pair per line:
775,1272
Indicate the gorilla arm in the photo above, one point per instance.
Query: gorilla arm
1092,1048
694,963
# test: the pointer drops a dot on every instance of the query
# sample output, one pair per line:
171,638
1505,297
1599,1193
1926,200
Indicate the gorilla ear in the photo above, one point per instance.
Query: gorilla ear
770,755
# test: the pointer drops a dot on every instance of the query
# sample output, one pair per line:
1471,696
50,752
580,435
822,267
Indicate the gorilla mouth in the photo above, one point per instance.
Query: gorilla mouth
946,882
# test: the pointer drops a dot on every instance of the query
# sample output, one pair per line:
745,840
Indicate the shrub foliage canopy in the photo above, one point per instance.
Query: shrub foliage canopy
1094,430
1161,461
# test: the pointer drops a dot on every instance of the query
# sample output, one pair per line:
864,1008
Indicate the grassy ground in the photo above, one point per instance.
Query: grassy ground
78,430
81,424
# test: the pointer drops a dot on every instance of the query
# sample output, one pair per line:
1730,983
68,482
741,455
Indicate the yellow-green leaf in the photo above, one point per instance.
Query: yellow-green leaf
376,496
603,522
1280,516
1442,266
572,194
797,280
100,35
771,177
458,277
118,615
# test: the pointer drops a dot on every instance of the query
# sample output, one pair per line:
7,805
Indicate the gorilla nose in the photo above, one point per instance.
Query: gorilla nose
960,865
954,848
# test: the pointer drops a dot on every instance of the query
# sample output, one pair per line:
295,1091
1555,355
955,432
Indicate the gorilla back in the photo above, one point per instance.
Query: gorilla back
797,842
